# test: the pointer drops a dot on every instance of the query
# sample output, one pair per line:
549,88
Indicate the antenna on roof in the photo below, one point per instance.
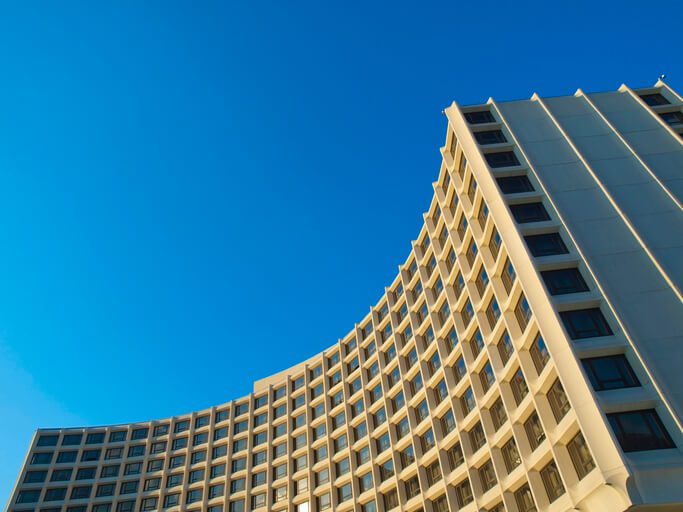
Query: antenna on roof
662,77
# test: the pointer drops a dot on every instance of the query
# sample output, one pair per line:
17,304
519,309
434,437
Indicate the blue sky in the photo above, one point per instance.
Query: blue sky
196,195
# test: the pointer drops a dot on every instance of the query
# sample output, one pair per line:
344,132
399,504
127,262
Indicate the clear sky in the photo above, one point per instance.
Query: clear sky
196,195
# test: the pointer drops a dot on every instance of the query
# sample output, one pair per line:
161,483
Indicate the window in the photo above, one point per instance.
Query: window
324,501
139,433
534,431
344,493
390,499
427,441
139,450
552,481
479,117
563,281
177,461
133,469
407,456
463,493
498,415
33,477
75,439
539,353
193,495
181,426
447,422
112,471
524,499
558,400
221,416
487,476
477,437
365,482
505,348
580,455
546,244
412,487
160,430
386,470
111,453
433,473
486,377
640,430
455,456
654,99
481,281
56,494
42,458
95,438
490,137
514,184
493,312
81,493
522,312
171,500
105,490
508,275
610,372
28,496
280,494
518,385
66,457
236,506
585,323
61,475
529,212
196,476
88,455
440,504
152,484
672,118
149,504
363,455
258,500
125,506
501,159
511,455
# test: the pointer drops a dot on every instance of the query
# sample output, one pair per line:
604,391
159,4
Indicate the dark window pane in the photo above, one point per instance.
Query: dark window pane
501,159
672,117
529,212
585,323
514,184
610,372
566,280
640,430
490,137
482,116
654,99
546,244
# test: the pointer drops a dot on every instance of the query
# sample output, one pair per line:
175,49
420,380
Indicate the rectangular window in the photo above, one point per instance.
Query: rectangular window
654,99
529,212
610,372
511,455
558,400
539,354
534,431
479,117
524,499
514,184
552,482
672,118
585,323
487,476
501,159
546,244
640,430
522,312
563,281
580,455
490,137
463,493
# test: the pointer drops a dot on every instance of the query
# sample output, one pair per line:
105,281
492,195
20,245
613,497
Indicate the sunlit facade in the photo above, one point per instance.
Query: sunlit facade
528,355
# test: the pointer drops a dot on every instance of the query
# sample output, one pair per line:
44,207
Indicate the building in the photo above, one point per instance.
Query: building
527,356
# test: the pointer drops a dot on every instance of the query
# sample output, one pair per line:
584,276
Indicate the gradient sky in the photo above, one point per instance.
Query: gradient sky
196,195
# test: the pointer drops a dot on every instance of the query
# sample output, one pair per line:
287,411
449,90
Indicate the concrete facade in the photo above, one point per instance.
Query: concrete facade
526,357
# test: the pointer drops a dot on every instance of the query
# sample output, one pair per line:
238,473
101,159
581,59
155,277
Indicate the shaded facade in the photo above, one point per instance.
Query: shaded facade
526,357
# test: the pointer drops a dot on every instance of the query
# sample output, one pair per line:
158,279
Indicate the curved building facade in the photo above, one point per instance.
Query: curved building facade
526,357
